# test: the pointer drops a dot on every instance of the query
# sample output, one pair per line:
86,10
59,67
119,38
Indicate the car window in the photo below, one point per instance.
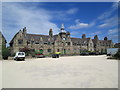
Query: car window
21,53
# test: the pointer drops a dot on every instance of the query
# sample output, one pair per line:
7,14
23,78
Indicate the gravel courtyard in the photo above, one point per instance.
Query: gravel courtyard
63,72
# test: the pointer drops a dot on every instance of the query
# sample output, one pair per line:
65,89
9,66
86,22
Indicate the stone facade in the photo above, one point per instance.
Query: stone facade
61,42
2,44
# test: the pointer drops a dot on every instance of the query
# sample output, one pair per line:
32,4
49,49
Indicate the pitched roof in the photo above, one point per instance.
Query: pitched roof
105,42
37,37
117,45
80,40
3,37
14,37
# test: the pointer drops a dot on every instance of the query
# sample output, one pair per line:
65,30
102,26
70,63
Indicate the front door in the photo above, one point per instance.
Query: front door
41,51
64,51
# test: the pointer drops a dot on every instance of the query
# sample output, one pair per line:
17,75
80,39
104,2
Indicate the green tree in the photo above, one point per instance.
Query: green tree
5,53
117,55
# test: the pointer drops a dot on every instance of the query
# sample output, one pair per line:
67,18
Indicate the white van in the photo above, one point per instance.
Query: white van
112,51
19,56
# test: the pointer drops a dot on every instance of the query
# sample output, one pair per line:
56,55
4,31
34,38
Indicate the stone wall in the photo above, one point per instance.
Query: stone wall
0,46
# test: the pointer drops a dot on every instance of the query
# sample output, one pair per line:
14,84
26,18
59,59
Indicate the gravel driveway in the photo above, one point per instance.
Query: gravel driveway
63,72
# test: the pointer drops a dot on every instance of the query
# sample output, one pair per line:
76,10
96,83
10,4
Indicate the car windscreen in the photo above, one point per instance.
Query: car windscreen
21,53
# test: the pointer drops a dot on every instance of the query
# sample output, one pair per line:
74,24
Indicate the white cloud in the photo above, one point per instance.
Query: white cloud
17,16
112,31
108,13
109,22
103,25
79,25
74,33
72,11
109,18
96,33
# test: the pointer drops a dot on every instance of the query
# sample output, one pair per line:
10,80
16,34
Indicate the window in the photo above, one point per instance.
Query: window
21,53
49,50
28,42
90,44
36,42
32,42
45,43
69,43
48,43
20,41
58,50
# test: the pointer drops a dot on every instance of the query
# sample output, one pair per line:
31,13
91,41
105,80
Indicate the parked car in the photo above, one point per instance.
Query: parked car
55,56
94,53
19,56
40,55
84,53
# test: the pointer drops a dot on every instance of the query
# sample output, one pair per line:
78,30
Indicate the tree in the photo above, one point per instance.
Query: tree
5,53
117,55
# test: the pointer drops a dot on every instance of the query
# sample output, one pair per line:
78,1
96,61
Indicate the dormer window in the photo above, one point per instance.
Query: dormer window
32,42
36,42
48,43
20,41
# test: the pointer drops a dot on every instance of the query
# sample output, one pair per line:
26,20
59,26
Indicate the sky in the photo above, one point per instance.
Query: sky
90,18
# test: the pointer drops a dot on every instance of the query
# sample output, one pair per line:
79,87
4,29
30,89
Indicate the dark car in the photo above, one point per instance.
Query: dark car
40,55
55,56
84,53
97,53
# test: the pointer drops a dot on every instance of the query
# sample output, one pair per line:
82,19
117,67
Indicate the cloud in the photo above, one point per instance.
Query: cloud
114,38
109,18
72,11
73,33
103,25
79,25
17,16
112,31
109,22
96,33
108,13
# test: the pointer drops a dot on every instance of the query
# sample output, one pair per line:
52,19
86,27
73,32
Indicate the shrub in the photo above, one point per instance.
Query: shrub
117,55
13,55
5,53
33,54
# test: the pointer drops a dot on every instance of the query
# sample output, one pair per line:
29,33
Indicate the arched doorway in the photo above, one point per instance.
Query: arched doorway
41,51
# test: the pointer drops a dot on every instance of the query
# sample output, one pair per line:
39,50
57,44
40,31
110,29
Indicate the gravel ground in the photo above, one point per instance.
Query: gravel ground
63,72
0,74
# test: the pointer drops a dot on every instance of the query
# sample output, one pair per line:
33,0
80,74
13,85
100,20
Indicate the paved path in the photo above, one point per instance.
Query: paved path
63,72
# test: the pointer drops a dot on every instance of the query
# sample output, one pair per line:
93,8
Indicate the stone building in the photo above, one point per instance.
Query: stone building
2,44
117,45
61,42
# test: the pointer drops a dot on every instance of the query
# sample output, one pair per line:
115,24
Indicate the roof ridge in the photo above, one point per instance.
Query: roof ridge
37,34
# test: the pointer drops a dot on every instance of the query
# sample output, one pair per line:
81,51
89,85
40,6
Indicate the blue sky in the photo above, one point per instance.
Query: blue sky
79,18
